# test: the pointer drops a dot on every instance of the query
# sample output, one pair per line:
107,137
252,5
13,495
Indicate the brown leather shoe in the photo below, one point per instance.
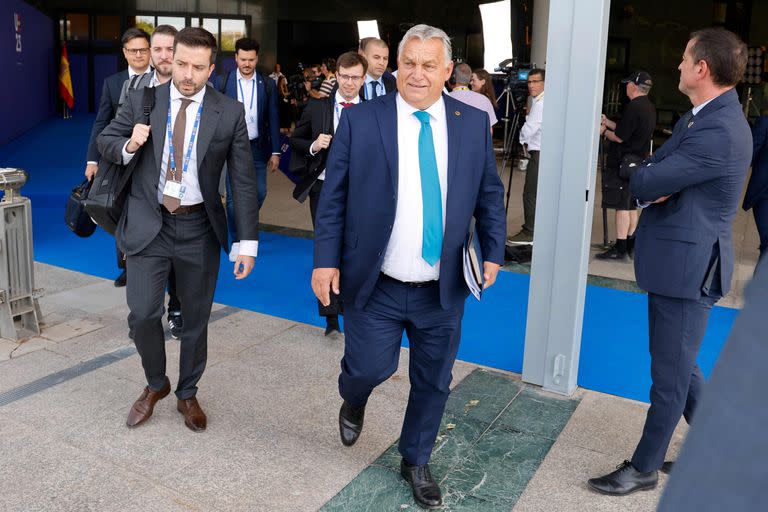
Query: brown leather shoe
194,417
143,407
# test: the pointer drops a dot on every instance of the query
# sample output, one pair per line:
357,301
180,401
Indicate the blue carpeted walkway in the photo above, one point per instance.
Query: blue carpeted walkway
614,355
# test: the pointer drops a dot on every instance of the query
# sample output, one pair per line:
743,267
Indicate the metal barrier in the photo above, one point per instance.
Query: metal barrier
19,308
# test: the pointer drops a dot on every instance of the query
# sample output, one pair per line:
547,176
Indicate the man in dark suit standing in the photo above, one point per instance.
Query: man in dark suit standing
389,236
756,196
136,51
684,250
174,214
312,137
258,95
377,81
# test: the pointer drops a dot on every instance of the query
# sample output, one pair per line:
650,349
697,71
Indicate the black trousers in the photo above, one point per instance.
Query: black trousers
188,245
529,191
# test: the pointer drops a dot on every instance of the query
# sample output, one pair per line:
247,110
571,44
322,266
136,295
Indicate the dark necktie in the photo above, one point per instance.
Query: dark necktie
179,127
374,90
346,104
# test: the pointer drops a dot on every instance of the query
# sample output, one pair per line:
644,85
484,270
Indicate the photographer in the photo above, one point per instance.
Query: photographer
530,139
630,141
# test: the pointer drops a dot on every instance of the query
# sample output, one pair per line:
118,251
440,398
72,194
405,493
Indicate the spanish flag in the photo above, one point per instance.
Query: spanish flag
65,79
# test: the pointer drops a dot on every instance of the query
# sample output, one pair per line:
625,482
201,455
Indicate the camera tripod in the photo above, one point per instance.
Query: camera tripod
511,129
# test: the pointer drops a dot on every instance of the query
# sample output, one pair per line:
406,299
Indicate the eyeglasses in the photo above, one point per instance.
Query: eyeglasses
349,78
137,51
534,81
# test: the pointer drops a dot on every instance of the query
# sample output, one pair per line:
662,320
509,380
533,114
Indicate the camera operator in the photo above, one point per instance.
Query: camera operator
630,140
530,139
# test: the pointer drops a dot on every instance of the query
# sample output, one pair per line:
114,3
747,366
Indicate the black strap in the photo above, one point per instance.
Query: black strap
149,101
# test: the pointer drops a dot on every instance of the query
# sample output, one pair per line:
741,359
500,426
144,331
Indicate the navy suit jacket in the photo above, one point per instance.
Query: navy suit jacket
757,188
268,117
702,167
359,198
110,97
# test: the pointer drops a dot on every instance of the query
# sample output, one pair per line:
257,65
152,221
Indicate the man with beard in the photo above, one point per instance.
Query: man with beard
174,216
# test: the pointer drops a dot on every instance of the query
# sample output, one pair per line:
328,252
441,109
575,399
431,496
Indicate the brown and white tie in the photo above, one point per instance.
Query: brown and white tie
179,126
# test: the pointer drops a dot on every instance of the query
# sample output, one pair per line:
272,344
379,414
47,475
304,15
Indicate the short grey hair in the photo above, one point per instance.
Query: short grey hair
424,33
462,73
644,89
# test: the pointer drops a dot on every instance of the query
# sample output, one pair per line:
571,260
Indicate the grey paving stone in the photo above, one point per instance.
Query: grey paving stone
54,279
23,370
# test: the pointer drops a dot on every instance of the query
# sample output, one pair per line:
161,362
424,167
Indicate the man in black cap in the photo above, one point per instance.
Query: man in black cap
630,139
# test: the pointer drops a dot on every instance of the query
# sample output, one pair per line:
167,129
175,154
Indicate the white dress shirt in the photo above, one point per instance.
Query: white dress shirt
530,133
337,108
696,110
249,87
189,179
402,259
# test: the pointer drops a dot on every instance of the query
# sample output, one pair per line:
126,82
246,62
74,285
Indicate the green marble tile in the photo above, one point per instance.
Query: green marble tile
535,413
499,467
376,489
454,442
472,504
483,394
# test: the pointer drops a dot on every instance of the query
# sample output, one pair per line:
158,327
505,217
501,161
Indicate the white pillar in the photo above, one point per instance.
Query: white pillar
539,32
577,36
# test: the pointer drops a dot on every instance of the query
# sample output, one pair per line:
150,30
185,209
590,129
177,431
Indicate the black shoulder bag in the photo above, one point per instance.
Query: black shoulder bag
111,184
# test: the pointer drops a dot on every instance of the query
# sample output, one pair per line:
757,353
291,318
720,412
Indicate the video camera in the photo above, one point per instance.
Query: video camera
296,87
515,81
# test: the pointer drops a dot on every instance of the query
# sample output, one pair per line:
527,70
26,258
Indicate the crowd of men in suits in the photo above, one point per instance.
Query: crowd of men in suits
389,231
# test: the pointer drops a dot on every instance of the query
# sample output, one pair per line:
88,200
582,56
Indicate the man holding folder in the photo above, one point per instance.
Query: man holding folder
389,237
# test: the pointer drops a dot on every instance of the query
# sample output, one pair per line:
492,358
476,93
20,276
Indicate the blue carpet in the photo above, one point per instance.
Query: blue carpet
614,353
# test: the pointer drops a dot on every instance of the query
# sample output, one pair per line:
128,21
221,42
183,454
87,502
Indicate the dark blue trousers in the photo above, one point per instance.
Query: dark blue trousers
260,164
372,351
760,211
676,329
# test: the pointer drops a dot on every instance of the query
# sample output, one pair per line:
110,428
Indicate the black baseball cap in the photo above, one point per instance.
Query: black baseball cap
639,78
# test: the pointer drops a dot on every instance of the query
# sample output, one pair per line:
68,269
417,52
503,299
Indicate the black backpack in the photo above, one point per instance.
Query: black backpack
111,184
77,219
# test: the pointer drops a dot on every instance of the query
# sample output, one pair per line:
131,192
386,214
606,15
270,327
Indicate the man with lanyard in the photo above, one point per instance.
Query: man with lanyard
462,74
311,142
258,94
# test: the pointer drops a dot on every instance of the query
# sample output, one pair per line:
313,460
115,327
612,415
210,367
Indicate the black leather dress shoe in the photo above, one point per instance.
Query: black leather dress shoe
350,423
625,480
667,466
425,490
121,279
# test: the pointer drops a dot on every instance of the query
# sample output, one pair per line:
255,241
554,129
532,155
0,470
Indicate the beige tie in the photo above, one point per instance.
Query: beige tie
179,126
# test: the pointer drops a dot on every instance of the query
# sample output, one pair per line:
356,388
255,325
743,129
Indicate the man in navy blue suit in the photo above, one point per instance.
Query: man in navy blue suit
684,249
258,94
136,50
756,196
389,234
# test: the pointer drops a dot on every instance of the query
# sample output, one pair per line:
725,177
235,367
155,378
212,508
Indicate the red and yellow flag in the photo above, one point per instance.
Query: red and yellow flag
65,79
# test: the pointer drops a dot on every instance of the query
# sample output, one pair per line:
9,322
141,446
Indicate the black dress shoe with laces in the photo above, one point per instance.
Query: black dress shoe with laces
425,490
350,423
625,480
666,468
175,323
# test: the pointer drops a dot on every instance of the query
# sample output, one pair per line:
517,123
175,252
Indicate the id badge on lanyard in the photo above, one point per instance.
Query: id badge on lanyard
249,112
173,188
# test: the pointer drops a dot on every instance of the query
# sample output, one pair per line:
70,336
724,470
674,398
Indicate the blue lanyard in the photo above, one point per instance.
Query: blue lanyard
188,156
253,92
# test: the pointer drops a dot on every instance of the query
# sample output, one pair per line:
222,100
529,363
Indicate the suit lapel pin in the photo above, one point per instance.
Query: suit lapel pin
690,123
457,113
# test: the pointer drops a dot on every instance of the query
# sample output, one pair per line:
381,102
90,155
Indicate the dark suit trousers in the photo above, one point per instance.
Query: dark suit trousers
187,244
676,330
529,191
372,351
760,211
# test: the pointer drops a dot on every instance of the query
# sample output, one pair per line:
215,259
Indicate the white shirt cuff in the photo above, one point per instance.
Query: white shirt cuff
312,153
91,162
127,157
244,247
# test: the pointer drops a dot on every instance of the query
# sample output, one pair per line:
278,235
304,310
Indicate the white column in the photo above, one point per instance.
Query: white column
577,37
539,33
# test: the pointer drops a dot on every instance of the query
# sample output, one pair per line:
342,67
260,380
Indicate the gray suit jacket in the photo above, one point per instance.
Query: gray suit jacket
223,138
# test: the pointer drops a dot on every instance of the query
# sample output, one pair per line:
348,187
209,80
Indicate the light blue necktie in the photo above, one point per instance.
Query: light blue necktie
431,198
